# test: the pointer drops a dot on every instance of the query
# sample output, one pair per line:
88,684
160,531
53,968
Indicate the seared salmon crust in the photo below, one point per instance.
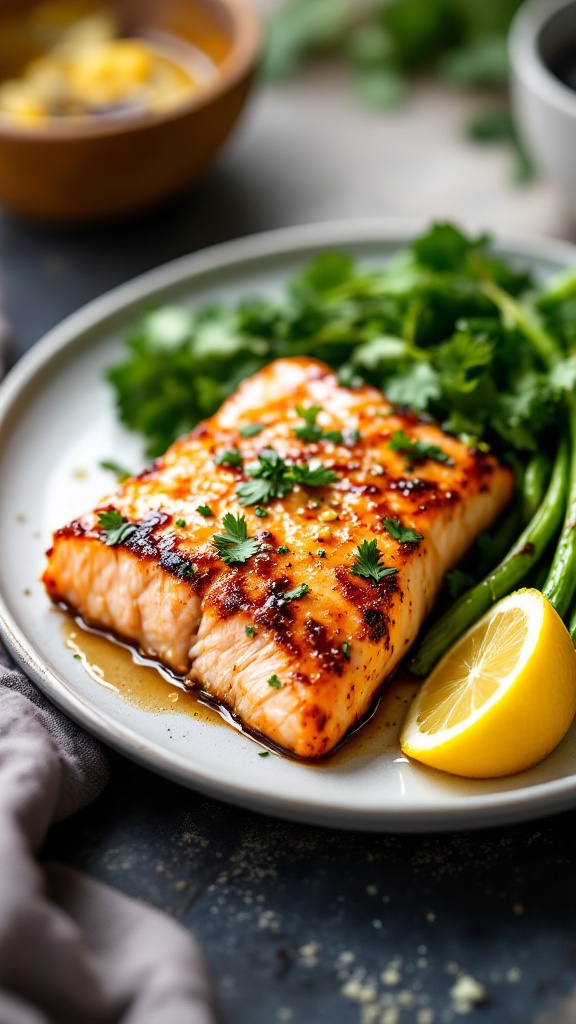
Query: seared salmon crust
300,668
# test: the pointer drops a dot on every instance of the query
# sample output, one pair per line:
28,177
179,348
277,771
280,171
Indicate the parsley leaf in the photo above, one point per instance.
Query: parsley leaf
403,534
180,522
346,648
417,451
116,527
235,546
205,511
310,431
120,473
260,512
272,477
250,631
294,595
251,429
274,682
367,562
228,457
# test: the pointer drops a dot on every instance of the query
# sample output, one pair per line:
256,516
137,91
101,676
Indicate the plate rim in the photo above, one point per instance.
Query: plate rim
463,813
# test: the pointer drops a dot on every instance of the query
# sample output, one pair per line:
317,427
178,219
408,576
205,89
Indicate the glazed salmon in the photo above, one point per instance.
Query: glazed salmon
293,609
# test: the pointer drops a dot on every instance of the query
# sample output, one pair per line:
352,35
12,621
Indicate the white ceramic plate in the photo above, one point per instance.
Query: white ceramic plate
57,421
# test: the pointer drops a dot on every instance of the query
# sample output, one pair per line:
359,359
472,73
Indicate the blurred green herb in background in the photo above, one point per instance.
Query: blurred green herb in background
389,42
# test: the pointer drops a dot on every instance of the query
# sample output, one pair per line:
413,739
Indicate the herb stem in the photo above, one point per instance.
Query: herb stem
524,554
525,320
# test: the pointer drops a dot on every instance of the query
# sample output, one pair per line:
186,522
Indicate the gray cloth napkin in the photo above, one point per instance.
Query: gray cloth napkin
72,950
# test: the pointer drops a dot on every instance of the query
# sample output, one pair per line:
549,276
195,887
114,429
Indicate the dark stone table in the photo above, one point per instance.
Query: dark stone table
299,923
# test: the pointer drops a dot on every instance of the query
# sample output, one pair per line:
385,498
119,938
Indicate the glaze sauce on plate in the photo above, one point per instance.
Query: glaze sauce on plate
149,687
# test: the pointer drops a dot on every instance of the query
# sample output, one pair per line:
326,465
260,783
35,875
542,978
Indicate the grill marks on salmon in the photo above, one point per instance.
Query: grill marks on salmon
309,668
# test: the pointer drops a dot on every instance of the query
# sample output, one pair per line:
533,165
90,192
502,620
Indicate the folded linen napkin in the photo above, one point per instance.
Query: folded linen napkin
72,950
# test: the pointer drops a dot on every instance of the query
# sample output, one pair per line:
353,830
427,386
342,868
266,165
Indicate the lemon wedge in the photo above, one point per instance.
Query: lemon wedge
502,697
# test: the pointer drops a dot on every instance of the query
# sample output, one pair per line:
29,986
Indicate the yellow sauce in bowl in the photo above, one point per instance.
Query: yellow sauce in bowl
68,58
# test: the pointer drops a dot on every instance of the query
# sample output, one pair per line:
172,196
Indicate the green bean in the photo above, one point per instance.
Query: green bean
535,482
522,556
561,581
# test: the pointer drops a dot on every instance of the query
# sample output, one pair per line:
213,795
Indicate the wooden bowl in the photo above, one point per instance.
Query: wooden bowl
91,169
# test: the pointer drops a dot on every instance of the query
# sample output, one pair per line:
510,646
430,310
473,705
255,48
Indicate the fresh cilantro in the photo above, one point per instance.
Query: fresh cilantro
274,682
311,432
180,522
205,511
346,649
251,631
234,545
116,527
416,451
120,473
403,534
228,457
321,553
260,512
283,550
272,477
251,429
298,592
367,562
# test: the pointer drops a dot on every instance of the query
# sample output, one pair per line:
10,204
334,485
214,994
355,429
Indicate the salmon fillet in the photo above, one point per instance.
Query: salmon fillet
294,640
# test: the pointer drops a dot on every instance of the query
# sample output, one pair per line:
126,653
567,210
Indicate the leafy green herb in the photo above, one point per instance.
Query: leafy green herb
298,592
260,512
228,457
251,631
251,429
205,511
115,526
283,550
272,477
120,473
311,432
234,545
186,569
264,753
416,451
77,657
346,649
458,582
321,553
403,534
368,562
274,682
180,522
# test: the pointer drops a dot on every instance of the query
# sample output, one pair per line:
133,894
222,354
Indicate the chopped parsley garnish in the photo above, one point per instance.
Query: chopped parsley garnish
403,534
234,545
205,511
186,569
274,682
180,522
251,429
417,451
120,473
368,563
251,631
228,457
346,648
294,595
283,550
272,477
311,432
264,753
260,512
116,527
321,553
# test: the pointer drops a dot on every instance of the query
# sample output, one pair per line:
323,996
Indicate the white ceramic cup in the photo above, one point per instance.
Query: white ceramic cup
544,107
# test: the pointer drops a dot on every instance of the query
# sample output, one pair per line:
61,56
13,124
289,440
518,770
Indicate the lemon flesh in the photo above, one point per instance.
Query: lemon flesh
502,697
